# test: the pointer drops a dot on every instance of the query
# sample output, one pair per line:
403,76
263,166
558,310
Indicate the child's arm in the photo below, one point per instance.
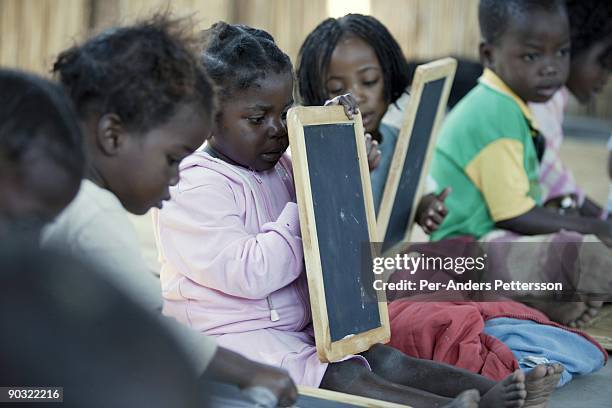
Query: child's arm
203,235
540,220
499,174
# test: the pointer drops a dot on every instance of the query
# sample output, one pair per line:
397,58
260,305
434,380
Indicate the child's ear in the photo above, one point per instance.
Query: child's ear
110,134
486,54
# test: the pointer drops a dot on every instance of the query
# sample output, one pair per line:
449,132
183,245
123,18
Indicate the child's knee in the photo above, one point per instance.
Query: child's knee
380,355
343,375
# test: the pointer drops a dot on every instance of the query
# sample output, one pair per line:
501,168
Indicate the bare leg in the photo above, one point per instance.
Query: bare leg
428,375
443,379
353,378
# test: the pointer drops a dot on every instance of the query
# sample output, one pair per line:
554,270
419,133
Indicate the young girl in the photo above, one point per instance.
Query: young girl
234,268
590,66
144,103
41,154
344,55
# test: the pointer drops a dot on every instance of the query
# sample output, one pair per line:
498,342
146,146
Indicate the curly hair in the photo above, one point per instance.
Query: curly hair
315,55
142,73
495,15
35,113
237,56
590,22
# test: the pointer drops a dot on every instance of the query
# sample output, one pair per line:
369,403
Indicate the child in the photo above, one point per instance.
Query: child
144,103
344,55
234,269
354,66
488,151
41,154
590,66
64,325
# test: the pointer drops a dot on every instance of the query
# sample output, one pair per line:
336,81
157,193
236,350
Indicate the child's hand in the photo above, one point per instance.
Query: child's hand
431,211
276,380
348,102
374,154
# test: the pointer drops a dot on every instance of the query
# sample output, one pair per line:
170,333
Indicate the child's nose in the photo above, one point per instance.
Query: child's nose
358,94
550,69
277,129
174,180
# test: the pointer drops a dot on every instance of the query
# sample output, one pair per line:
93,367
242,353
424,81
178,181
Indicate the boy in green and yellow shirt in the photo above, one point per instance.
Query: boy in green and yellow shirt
489,147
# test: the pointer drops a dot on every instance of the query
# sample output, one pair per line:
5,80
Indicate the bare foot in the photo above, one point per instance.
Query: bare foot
540,383
592,309
467,399
572,314
509,392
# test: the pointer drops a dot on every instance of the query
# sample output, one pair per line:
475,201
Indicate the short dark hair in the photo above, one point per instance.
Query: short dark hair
590,22
316,52
35,113
143,73
236,56
494,15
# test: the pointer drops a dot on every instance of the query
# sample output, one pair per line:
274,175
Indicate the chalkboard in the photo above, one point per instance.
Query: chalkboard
410,163
229,395
320,398
338,223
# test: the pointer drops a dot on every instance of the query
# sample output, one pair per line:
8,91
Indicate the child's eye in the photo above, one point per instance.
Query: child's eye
256,120
335,92
371,83
563,52
530,57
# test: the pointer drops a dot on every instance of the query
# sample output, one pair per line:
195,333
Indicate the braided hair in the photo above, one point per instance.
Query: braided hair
315,55
143,73
237,56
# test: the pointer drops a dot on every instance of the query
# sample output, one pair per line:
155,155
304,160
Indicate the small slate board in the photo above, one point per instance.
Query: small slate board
410,163
338,223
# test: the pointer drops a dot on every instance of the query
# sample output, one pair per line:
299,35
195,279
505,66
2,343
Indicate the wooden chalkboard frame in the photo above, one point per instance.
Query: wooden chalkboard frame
298,118
440,69
353,400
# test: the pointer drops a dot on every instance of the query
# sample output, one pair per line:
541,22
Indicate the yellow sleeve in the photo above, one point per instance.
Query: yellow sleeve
498,172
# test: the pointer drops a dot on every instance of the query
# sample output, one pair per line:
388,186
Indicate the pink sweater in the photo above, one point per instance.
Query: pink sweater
232,262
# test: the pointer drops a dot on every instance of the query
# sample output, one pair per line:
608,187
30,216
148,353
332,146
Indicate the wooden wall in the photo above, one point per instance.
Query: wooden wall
32,32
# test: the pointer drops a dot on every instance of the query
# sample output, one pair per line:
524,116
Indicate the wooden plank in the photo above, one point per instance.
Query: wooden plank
397,210
301,120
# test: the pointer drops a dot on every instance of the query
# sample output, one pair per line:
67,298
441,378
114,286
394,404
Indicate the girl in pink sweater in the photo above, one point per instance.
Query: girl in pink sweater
232,257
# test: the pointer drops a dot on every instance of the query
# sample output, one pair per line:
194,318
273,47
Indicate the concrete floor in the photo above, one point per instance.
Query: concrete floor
593,391
588,160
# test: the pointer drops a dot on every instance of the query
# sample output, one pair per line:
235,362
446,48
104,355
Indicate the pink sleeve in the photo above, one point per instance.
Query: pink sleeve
204,237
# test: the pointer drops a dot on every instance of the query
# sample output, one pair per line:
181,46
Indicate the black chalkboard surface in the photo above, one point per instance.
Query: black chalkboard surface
337,222
410,164
340,217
